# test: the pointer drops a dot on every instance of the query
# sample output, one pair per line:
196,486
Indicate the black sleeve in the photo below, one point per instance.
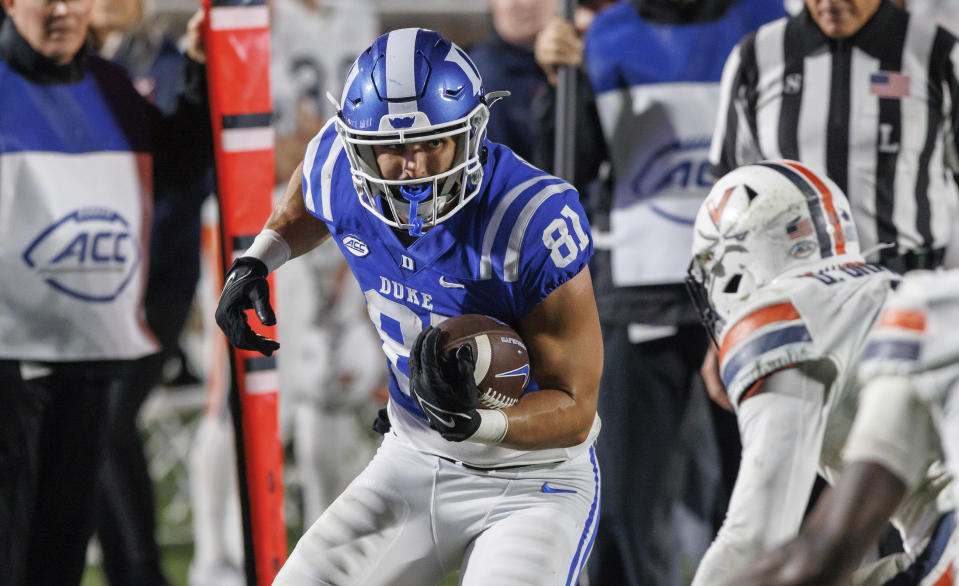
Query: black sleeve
182,141
590,144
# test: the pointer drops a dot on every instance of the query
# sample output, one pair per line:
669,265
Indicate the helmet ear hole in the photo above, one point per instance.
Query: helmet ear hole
733,285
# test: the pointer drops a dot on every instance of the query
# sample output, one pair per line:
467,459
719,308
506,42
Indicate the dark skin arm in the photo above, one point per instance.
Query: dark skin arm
847,519
714,384
566,357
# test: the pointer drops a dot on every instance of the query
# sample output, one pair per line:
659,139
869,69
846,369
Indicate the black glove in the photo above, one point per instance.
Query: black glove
381,424
444,388
246,288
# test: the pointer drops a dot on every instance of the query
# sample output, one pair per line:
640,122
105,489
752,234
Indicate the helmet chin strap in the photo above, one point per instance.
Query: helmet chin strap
415,194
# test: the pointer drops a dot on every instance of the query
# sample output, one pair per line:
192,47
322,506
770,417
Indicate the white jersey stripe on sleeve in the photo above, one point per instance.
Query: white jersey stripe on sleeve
326,176
308,159
511,262
486,266
400,70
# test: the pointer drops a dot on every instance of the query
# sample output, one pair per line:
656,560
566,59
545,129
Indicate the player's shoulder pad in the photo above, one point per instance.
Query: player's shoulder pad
916,328
324,156
522,203
765,335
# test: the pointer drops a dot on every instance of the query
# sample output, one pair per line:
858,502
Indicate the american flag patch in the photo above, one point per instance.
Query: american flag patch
888,84
799,228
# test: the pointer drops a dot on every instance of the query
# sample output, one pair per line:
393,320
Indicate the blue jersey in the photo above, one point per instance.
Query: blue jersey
657,90
524,235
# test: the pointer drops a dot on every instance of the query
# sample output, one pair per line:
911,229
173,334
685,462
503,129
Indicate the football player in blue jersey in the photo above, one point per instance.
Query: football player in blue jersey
436,221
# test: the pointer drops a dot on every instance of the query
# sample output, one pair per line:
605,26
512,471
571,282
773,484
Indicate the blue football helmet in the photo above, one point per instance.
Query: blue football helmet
414,85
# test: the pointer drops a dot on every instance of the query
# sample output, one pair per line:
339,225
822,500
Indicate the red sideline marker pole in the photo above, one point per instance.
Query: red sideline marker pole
238,69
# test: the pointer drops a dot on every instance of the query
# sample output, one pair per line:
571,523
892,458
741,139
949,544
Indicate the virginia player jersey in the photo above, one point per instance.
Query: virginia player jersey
523,236
916,337
823,315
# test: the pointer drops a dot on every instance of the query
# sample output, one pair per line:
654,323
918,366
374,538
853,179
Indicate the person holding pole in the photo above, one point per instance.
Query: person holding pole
654,66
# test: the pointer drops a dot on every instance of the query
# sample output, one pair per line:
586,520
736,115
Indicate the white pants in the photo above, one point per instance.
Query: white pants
411,518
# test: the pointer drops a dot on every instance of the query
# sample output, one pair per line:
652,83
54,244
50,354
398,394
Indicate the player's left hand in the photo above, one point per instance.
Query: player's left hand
444,388
245,288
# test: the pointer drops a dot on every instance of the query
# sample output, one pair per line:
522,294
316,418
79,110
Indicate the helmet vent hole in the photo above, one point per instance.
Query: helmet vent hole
733,285
454,91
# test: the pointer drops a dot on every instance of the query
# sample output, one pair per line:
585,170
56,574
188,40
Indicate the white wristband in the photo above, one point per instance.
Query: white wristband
271,248
492,428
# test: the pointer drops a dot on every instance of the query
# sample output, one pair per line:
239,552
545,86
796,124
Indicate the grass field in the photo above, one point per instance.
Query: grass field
176,563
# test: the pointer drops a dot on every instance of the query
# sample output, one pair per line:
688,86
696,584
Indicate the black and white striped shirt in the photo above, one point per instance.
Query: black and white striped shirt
878,112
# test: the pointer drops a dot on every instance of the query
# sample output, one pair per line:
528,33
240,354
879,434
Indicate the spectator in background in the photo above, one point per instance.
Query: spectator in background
516,58
654,67
506,62
560,43
78,146
126,524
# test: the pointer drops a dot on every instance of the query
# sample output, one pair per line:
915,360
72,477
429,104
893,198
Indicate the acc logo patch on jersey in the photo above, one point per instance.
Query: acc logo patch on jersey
89,254
355,245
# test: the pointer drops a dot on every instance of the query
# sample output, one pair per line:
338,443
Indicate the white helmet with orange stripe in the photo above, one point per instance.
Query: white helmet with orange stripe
760,222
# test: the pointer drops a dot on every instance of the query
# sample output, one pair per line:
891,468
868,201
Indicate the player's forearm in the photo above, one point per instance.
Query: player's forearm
549,418
849,518
566,359
300,230
721,562
781,443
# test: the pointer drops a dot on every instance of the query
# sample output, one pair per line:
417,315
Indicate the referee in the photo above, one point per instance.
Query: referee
863,92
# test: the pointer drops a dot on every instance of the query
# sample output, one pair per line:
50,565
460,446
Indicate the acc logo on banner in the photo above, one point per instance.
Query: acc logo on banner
89,254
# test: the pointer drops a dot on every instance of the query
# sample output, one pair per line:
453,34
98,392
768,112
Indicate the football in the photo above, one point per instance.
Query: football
502,364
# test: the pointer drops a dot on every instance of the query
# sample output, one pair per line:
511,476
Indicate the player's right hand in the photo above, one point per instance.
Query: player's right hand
444,387
245,288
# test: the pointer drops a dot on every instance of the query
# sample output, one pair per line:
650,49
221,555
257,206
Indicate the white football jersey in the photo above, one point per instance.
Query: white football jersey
820,316
916,338
789,357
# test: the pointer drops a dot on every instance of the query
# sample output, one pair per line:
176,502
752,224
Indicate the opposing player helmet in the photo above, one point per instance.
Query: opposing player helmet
760,222
414,85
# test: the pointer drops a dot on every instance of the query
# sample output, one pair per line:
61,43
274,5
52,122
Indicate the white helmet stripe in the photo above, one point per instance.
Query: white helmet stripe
349,83
457,56
400,73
